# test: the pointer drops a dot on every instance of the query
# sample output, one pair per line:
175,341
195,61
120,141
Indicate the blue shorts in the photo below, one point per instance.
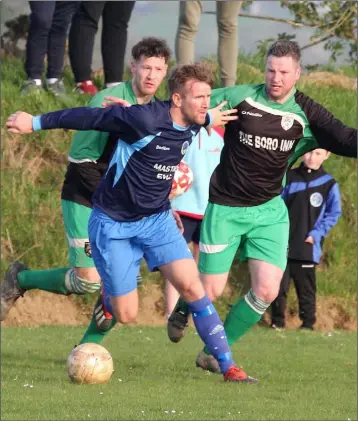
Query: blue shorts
118,248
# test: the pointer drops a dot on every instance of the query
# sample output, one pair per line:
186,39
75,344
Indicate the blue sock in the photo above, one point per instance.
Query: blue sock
211,331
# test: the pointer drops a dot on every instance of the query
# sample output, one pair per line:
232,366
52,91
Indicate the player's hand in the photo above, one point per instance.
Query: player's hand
220,118
178,221
309,240
20,123
112,100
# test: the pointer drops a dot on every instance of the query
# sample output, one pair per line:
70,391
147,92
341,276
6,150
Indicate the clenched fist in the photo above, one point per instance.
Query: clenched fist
20,122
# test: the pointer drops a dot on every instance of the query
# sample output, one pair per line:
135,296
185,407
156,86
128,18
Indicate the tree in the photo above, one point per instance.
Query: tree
334,22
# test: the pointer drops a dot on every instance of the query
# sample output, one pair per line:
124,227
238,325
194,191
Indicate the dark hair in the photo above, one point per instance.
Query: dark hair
180,74
285,48
151,47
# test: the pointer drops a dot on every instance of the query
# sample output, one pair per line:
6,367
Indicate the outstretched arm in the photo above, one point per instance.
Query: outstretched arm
333,135
328,132
111,119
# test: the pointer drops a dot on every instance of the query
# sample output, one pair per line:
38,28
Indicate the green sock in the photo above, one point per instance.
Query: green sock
242,317
183,306
52,280
93,334
239,320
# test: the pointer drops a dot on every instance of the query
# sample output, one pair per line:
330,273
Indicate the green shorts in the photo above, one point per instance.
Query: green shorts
259,232
75,218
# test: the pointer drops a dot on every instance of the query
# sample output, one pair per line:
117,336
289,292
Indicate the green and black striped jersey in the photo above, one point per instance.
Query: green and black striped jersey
266,139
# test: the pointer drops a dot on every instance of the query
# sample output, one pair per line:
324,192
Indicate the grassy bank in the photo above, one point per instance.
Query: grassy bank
33,169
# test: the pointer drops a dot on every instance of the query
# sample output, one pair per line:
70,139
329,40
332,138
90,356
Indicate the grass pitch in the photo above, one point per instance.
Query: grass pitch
303,376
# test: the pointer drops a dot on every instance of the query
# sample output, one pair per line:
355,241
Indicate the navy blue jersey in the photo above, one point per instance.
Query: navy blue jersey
150,147
314,206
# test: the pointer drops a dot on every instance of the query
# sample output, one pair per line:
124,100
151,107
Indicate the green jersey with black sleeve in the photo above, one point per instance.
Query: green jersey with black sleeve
91,151
266,139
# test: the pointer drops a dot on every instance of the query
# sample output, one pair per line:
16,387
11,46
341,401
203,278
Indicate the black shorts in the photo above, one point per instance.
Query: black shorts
81,181
191,229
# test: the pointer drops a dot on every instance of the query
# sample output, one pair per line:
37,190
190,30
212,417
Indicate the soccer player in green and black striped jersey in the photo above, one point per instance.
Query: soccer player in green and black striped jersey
276,125
88,158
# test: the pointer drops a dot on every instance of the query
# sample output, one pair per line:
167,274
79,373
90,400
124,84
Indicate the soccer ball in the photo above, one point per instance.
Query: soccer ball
182,181
90,364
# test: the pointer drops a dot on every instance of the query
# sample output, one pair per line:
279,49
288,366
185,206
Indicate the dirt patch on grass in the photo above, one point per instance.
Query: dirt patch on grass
38,308
331,314
151,305
329,79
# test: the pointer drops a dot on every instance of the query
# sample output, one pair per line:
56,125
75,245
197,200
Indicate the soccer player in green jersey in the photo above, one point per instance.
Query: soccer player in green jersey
276,125
89,156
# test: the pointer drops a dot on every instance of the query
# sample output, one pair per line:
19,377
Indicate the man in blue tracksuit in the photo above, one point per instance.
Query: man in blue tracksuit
313,201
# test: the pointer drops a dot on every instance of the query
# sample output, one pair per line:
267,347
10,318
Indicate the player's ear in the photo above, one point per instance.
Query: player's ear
327,155
176,98
133,66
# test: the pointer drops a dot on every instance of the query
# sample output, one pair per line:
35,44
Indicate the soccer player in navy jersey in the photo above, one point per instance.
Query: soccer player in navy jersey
88,157
131,216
